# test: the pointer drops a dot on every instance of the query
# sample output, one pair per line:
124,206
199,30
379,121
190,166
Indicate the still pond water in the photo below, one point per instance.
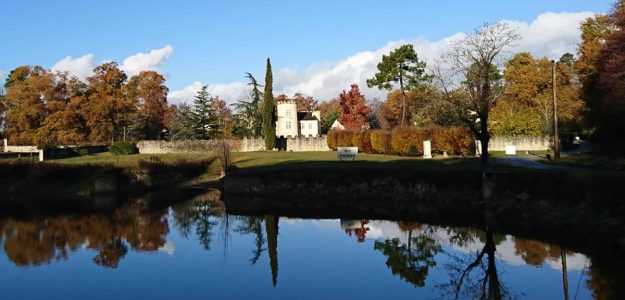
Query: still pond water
194,250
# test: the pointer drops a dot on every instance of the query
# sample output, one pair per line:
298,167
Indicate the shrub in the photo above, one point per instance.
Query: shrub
344,138
404,138
331,139
365,142
124,148
381,141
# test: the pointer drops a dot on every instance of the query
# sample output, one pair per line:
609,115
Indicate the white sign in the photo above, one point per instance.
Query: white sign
510,150
427,149
346,152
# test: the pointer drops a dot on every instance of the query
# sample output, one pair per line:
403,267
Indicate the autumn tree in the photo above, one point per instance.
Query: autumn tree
148,91
28,88
527,97
65,123
223,116
400,66
471,85
204,120
109,112
269,126
305,103
611,81
3,109
353,109
594,32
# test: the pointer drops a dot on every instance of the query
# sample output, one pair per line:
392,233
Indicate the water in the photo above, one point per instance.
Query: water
194,250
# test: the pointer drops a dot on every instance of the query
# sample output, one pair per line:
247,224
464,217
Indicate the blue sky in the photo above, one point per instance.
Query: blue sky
216,42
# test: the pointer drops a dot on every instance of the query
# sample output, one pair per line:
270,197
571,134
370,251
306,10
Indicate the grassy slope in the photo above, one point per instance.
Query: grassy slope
129,160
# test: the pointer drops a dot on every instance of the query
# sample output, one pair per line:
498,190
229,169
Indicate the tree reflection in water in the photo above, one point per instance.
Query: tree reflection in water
410,261
474,276
41,240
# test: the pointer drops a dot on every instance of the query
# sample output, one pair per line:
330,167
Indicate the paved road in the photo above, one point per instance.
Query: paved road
531,161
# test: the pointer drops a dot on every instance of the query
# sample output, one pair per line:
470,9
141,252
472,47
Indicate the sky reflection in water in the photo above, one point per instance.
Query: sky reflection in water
193,250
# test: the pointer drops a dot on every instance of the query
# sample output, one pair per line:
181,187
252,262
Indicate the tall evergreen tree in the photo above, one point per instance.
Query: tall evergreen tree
401,66
205,123
269,127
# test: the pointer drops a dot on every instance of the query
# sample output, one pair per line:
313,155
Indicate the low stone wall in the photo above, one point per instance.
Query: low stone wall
522,143
163,147
242,145
249,145
307,144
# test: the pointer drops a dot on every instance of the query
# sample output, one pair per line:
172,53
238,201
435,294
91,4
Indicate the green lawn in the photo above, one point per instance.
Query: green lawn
267,161
129,160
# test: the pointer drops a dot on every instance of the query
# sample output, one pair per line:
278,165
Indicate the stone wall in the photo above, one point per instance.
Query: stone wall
522,143
307,144
249,145
242,145
186,146
18,149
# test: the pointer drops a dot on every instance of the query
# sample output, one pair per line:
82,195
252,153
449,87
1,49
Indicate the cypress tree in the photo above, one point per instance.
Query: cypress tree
269,129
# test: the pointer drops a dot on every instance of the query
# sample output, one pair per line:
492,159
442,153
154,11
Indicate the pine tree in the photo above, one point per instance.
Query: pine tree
205,123
269,129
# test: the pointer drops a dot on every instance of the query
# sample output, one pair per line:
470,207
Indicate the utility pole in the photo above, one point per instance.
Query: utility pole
556,135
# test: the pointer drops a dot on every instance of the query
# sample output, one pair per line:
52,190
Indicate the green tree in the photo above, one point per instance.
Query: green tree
271,227
249,117
205,123
269,126
410,262
181,123
401,66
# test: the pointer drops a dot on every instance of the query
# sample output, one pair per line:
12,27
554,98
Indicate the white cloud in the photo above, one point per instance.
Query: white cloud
230,92
81,67
550,34
143,61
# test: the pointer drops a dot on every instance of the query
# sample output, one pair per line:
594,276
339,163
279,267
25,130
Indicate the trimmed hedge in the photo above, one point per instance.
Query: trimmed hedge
405,140
124,148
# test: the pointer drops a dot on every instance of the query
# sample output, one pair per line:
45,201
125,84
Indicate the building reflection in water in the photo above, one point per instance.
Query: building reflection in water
356,227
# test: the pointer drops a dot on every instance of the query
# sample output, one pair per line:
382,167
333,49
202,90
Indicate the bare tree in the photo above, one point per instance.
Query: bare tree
469,78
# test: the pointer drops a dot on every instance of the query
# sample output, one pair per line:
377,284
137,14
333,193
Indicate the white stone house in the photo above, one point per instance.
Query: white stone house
291,123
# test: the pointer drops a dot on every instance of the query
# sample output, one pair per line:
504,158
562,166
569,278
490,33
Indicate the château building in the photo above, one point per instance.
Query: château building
293,123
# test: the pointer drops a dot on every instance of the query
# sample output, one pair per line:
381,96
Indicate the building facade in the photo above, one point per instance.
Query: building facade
291,123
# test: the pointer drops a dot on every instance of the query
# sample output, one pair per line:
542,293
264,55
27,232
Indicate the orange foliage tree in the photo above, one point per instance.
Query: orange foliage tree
149,92
353,109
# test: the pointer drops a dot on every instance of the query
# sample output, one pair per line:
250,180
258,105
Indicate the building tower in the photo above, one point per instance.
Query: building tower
286,125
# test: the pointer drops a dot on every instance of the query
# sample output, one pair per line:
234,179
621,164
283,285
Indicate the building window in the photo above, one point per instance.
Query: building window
288,125
310,126
288,113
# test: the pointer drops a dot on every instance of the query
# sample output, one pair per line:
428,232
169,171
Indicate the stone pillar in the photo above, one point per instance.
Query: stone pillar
427,149
41,155
6,145
478,148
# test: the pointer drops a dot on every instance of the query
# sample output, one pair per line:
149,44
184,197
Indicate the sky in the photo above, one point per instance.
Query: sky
316,47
